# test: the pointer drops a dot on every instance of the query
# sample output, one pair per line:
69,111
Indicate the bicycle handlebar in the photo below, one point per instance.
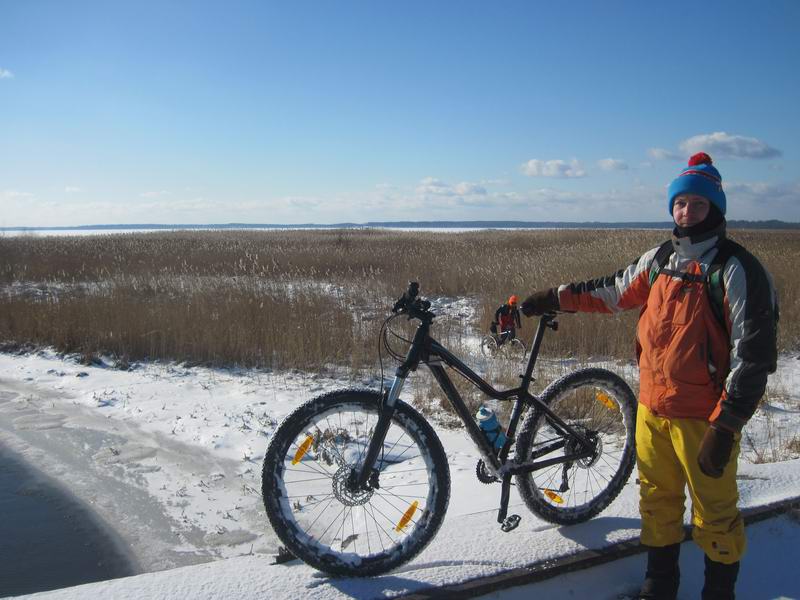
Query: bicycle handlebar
409,303
409,296
412,305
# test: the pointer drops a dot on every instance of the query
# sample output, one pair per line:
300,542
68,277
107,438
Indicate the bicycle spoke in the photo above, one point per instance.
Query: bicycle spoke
307,480
388,520
322,535
378,529
369,546
317,510
321,512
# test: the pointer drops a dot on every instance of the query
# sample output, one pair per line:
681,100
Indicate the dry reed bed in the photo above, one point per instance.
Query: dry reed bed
308,299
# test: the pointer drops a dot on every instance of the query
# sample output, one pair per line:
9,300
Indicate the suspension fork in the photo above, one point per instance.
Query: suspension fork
388,404
379,433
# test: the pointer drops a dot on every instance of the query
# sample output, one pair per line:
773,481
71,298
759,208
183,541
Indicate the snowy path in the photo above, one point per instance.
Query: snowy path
171,457
769,571
466,547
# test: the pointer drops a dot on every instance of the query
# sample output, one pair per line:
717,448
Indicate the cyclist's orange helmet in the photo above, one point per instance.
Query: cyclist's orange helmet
513,300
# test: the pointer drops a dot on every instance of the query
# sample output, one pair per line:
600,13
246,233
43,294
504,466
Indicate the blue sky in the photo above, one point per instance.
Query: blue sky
292,112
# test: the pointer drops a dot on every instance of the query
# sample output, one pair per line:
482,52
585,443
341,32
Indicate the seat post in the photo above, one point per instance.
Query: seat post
544,321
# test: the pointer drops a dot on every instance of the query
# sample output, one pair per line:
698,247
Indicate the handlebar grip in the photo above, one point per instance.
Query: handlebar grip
408,297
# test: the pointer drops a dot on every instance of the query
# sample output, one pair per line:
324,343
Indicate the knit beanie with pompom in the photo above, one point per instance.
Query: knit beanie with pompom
699,177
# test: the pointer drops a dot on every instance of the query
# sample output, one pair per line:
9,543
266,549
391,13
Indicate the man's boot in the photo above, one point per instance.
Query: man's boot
720,580
663,575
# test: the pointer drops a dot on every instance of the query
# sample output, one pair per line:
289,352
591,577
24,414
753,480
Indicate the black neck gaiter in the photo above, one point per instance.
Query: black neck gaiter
713,220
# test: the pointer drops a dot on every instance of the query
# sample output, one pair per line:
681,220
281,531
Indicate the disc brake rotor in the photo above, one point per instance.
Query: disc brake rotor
345,492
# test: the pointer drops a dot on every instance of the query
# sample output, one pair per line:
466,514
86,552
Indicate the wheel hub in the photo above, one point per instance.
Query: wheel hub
345,491
597,444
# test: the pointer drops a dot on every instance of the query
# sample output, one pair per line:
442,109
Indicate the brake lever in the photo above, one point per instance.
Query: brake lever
409,297
550,320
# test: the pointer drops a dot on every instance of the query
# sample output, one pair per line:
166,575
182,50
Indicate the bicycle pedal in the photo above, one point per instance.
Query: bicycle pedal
510,523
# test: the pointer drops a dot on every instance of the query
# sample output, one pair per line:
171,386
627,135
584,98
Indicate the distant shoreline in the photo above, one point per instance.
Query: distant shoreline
732,224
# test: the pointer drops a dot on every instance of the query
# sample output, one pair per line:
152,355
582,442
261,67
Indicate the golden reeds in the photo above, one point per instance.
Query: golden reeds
309,299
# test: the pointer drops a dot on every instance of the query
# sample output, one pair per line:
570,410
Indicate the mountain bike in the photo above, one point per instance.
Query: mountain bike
356,482
513,348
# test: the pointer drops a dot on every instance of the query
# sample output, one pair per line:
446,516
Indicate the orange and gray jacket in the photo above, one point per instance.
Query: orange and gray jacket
690,365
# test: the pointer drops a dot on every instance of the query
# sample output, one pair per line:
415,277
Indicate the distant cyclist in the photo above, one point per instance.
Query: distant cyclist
507,319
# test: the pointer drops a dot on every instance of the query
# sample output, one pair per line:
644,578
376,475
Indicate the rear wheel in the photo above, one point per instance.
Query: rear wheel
516,349
314,506
602,408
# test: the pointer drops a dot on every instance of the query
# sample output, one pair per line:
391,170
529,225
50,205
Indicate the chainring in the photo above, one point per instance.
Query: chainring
483,474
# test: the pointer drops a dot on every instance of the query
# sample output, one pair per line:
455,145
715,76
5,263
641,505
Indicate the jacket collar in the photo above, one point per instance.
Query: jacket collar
695,246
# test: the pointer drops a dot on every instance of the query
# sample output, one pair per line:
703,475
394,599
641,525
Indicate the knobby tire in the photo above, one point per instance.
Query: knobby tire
602,406
329,525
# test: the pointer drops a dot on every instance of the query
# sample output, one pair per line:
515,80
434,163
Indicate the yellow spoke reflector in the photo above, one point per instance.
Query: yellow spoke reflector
553,496
407,516
301,451
607,402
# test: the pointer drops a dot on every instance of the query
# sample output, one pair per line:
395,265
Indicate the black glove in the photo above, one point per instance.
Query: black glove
715,451
542,302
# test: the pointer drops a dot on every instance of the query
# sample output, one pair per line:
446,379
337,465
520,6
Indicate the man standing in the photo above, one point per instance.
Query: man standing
706,340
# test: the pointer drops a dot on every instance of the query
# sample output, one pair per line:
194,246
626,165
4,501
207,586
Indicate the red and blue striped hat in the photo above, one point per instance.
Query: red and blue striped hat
700,178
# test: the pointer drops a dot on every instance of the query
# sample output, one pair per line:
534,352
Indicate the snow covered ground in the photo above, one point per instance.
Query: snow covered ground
171,457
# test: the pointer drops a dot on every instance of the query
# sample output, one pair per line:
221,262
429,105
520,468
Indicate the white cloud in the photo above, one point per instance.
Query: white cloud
71,189
430,186
553,168
433,186
466,188
733,146
304,203
16,195
469,200
662,154
763,194
612,164
6,74
158,194
430,199
495,182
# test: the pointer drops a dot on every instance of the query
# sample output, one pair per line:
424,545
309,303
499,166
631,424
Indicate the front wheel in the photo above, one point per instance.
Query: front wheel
602,408
334,526
489,346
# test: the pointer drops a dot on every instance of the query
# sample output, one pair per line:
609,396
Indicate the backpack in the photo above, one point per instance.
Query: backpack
715,283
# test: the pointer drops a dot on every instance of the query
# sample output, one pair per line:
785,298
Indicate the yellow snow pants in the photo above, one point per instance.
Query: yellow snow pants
666,454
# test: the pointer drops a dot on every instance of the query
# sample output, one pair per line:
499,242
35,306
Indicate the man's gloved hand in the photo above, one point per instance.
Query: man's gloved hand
715,451
541,302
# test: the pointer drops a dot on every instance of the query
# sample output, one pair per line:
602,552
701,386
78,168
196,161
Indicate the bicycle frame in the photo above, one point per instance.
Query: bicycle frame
424,349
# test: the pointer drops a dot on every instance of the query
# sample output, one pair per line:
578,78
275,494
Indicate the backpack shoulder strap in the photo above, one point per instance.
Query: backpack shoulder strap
661,258
715,280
